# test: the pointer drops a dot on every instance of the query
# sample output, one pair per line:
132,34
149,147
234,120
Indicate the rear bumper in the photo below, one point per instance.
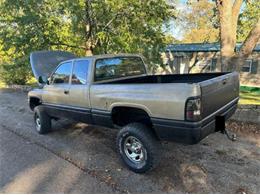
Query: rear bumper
191,132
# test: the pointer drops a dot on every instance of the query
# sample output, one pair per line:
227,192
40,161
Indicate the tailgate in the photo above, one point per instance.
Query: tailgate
218,92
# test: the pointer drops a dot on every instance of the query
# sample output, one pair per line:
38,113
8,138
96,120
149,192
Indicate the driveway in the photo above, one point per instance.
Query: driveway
79,158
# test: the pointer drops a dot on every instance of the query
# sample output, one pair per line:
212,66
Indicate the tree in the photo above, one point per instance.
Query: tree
247,19
120,26
228,19
199,22
84,27
23,30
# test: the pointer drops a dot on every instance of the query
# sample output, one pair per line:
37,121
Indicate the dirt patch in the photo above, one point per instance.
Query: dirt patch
245,129
194,178
215,165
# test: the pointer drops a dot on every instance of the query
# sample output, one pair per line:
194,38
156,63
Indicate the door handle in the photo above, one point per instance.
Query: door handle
224,81
66,92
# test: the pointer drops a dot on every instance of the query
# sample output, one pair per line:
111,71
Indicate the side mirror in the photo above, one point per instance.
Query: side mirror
43,80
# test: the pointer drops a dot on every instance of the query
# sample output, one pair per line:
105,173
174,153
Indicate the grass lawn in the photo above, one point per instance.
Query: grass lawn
249,95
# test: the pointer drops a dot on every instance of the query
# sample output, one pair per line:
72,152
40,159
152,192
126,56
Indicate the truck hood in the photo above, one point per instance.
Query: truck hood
43,63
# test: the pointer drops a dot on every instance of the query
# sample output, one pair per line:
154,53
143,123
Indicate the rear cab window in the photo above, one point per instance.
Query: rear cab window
117,67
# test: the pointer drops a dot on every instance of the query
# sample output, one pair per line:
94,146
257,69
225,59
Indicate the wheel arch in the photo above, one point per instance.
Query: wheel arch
123,115
34,101
130,105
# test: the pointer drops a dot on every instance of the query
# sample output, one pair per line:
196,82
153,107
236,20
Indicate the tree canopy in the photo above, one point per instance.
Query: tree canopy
199,22
87,27
247,19
84,27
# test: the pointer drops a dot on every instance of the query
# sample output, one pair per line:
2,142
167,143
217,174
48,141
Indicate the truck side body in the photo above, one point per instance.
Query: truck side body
159,101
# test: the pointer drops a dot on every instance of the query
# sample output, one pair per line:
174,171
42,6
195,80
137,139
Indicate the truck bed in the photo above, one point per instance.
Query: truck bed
215,89
172,78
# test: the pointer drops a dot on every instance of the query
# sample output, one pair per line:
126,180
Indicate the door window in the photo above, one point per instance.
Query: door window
80,71
62,74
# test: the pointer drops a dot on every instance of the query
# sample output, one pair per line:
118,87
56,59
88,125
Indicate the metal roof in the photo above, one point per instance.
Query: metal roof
202,47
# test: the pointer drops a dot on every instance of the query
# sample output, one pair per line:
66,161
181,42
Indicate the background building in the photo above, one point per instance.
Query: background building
205,57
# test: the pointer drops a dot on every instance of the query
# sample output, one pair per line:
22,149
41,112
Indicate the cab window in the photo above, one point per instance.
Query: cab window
62,74
80,71
111,68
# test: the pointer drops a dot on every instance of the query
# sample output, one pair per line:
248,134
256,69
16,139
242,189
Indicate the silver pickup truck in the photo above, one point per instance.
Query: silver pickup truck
116,91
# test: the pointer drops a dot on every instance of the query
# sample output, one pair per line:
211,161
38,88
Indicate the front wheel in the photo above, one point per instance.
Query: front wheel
42,120
138,147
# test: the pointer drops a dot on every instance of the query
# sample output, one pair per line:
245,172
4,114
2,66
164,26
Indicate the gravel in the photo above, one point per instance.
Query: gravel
215,165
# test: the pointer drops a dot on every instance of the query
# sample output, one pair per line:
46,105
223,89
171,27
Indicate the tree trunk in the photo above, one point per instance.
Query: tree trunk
88,28
251,41
247,47
193,61
226,32
88,48
228,18
89,52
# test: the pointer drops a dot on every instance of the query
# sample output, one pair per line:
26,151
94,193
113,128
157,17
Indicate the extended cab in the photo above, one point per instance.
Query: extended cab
116,91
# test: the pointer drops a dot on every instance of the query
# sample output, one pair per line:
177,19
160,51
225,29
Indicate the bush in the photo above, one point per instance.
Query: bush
14,74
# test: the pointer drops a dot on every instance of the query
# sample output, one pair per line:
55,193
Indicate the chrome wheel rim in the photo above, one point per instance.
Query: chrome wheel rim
38,122
134,150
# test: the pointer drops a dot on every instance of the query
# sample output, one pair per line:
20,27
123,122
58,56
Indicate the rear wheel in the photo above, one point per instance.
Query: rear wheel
42,120
138,147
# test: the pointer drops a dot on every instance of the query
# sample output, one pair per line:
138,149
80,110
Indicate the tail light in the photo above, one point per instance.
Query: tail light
193,109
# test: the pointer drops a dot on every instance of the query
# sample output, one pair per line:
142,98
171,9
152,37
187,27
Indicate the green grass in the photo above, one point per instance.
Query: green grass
249,95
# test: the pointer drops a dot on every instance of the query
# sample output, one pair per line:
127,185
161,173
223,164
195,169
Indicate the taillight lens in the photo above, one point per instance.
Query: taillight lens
193,109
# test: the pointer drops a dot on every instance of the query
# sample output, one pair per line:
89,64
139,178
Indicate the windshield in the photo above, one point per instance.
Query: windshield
111,68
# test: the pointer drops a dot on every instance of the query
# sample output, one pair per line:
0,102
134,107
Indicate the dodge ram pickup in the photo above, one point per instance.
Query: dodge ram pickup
116,91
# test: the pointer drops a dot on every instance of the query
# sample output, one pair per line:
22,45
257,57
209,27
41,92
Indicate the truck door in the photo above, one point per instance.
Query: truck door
79,89
57,92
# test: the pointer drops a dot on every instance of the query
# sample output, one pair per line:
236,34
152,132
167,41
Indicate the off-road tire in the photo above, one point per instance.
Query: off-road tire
149,142
43,125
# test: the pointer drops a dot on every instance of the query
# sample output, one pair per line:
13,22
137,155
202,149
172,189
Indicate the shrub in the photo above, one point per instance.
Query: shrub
14,73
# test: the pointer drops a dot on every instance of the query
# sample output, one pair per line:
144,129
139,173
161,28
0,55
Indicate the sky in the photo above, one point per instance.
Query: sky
174,28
